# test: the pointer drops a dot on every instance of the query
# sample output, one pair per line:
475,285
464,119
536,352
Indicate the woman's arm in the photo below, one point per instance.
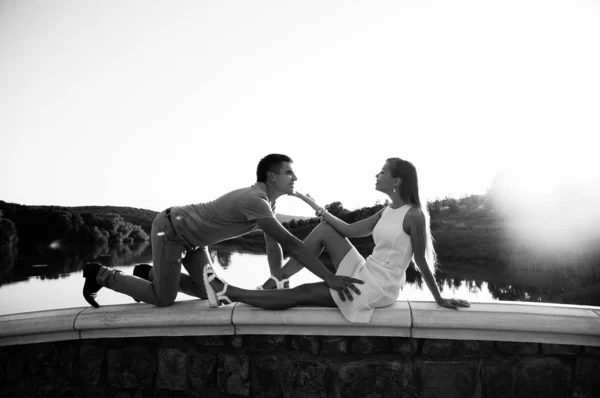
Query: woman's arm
354,230
415,223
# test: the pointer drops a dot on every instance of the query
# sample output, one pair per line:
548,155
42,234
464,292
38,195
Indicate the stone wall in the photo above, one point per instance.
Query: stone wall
297,366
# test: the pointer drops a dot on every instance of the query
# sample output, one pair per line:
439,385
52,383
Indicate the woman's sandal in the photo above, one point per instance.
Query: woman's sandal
215,299
279,284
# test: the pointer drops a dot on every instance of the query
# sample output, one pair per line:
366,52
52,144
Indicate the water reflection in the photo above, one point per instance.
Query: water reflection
49,263
514,280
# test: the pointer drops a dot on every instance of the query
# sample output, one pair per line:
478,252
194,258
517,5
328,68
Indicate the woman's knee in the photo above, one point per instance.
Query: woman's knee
325,229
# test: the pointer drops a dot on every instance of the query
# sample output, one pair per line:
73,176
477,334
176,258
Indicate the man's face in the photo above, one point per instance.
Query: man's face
284,180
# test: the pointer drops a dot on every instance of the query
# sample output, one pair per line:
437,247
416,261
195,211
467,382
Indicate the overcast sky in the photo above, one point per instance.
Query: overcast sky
153,103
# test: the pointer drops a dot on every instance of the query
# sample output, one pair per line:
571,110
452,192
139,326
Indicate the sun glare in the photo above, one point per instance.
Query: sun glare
550,208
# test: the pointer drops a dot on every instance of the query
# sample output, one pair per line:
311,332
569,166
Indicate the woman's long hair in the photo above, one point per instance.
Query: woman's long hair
409,192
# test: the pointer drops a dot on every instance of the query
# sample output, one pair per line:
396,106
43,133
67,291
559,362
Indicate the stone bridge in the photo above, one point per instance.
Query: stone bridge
410,349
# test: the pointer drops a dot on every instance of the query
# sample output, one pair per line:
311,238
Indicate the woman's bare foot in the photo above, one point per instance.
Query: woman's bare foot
217,284
272,283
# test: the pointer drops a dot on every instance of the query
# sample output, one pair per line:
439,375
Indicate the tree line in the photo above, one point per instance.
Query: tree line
33,225
98,224
470,204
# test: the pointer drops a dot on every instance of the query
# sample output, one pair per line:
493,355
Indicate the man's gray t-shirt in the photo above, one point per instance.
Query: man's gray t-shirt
229,216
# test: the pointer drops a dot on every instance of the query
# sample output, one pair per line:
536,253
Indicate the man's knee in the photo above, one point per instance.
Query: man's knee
166,300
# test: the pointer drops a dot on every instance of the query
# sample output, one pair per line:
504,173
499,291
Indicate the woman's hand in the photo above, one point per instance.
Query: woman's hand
307,199
453,303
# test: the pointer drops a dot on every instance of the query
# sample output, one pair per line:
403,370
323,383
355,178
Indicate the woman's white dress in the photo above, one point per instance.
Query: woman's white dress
383,271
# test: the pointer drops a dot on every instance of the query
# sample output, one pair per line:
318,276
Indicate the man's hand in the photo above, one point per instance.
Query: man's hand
453,303
343,284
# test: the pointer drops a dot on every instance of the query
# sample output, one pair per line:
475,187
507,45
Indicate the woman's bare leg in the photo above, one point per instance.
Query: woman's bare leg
310,294
323,236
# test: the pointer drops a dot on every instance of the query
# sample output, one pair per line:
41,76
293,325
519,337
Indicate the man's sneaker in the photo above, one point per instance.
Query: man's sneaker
91,285
142,271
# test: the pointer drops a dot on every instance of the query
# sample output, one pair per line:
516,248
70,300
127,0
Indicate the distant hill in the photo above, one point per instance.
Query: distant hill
285,218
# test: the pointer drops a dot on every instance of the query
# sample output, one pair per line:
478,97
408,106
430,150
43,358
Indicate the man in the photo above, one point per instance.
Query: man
181,235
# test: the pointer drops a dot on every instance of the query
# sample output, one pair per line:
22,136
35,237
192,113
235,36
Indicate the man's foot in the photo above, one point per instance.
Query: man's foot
91,285
216,289
142,271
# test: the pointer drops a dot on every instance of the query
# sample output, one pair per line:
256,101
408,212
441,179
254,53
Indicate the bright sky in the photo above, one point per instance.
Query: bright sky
154,103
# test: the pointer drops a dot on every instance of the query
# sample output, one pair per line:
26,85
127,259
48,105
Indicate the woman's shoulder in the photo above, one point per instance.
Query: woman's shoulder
415,213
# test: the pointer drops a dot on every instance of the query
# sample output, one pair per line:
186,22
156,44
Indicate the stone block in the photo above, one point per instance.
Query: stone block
50,361
560,349
70,392
512,348
300,378
592,351
439,348
376,378
406,347
91,364
203,371
172,369
131,367
587,376
448,379
333,345
371,345
46,389
265,380
2,366
95,391
543,377
266,343
475,348
210,341
498,378
233,374
25,388
237,341
15,364
305,344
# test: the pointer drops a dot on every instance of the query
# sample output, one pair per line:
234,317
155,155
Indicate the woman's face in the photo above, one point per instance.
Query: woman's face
385,181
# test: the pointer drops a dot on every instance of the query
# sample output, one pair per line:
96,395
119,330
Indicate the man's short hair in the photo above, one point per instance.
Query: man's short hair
271,162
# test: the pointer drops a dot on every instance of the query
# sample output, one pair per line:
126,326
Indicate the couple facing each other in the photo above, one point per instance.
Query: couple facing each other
181,235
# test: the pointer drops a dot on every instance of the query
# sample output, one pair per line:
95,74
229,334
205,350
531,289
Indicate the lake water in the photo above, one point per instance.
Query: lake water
51,278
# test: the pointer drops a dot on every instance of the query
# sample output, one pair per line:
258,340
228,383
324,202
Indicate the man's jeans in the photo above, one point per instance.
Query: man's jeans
169,252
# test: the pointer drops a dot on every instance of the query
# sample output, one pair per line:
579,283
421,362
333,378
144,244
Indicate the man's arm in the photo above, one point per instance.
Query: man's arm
300,253
274,254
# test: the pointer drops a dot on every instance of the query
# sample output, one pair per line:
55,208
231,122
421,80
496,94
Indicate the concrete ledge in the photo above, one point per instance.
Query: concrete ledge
38,327
509,321
190,318
500,321
394,320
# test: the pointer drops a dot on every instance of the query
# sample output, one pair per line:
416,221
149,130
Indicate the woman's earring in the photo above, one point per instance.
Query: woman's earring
394,189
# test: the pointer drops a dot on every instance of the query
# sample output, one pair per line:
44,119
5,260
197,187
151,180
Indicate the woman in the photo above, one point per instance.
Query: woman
401,232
